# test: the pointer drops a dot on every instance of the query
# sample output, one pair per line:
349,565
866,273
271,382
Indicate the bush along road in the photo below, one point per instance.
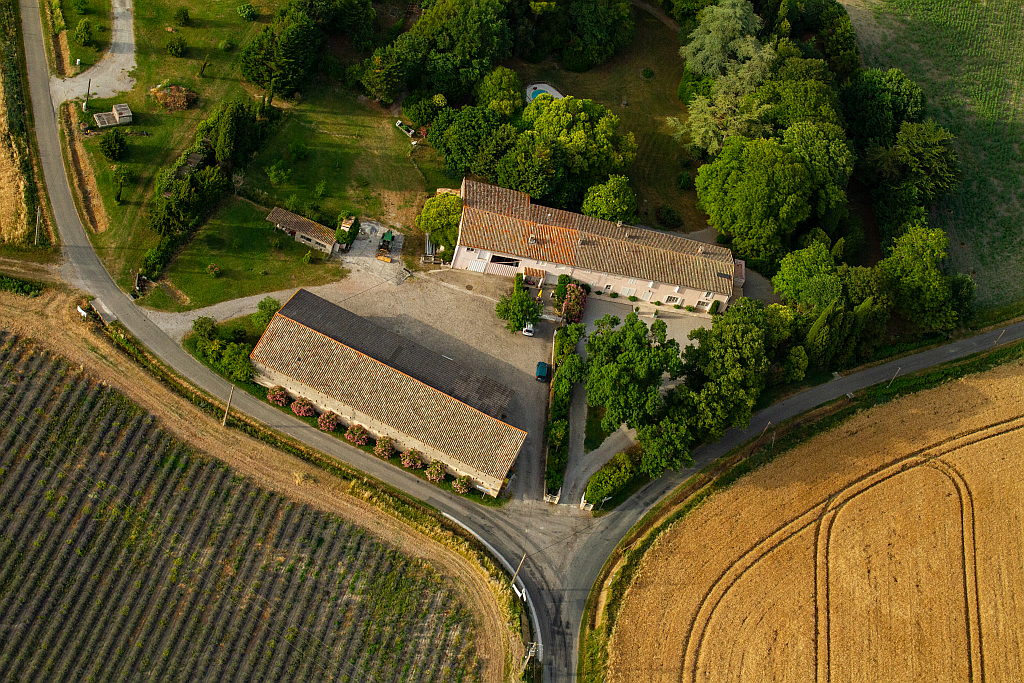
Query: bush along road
564,552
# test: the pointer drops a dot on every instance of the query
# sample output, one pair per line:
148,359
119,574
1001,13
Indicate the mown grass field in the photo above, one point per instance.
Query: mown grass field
659,158
240,240
969,59
124,555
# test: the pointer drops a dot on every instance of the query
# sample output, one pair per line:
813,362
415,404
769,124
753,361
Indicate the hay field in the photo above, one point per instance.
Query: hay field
889,549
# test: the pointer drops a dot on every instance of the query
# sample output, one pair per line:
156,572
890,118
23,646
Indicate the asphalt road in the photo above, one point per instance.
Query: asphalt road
565,551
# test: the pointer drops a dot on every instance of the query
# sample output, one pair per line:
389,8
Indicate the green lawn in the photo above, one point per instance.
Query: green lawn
238,239
128,236
354,147
595,435
966,55
98,12
648,101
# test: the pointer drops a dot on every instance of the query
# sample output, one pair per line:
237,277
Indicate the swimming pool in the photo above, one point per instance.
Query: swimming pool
535,89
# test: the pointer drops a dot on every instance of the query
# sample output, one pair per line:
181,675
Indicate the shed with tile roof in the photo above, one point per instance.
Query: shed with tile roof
501,229
392,386
305,231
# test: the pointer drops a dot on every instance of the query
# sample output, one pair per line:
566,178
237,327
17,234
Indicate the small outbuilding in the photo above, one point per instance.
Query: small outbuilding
305,231
122,113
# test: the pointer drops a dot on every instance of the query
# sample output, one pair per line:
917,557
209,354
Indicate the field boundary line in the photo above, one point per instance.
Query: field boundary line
830,507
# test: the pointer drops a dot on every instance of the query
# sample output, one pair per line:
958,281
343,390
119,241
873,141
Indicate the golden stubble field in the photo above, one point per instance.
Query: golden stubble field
12,185
886,550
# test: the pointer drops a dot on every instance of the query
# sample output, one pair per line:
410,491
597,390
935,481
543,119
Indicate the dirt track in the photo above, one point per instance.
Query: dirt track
887,550
52,320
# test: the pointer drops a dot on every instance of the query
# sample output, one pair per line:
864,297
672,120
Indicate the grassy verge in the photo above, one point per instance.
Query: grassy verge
659,158
595,434
385,498
253,257
19,286
99,14
622,565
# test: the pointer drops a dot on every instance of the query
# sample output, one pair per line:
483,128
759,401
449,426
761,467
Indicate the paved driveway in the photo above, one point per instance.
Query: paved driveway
111,74
363,254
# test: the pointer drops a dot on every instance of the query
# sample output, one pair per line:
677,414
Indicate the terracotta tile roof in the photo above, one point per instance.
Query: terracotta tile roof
320,360
504,221
301,224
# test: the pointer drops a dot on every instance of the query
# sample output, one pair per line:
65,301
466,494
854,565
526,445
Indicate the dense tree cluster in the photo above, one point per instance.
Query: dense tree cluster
555,150
440,219
282,55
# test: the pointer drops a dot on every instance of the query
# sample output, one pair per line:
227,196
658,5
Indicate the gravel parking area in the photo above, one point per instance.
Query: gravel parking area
363,254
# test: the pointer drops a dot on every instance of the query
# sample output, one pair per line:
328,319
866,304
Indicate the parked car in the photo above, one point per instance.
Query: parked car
543,372
528,330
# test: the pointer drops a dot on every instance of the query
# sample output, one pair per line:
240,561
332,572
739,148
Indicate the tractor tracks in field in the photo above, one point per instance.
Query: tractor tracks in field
822,516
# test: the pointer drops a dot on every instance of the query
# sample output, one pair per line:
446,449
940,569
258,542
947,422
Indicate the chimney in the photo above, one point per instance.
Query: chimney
532,240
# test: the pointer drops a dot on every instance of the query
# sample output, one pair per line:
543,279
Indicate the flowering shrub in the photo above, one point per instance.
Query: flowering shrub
357,435
575,302
327,421
412,459
278,396
384,448
461,484
435,472
302,407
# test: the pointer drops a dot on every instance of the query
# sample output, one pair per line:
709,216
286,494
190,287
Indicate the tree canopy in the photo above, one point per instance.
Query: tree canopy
625,369
808,277
876,103
725,33
440,217
519,308
922,293
613,200
501,92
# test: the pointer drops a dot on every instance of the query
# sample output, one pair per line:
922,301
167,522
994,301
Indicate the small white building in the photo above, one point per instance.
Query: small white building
503,233
305,231
122,113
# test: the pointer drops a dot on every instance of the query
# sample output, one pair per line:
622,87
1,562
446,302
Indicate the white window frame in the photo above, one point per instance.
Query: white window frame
671,299
628,291
708,295
632,280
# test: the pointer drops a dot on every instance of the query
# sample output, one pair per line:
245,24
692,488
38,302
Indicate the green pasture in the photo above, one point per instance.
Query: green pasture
98,12
968,56
239,239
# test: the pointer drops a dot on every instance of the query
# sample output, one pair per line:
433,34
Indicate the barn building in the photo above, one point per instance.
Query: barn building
392,387
503,233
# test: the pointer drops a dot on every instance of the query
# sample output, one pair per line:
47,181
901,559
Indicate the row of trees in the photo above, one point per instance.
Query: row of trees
189,191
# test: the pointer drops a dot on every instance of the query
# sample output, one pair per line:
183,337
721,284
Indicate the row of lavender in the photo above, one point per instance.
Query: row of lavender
126,556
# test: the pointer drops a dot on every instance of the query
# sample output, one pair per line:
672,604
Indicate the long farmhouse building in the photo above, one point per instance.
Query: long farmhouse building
503,233
391,386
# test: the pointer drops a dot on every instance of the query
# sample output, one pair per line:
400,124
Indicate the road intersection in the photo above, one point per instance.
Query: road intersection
564,549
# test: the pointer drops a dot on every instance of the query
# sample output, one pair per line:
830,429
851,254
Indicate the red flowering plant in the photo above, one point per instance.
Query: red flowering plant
435,472
461,484
327,421
278,396
575,302
413,459
357,434
384,448
302,407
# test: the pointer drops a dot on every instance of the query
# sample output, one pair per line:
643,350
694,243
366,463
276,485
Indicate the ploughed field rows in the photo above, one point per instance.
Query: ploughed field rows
888,549
125,556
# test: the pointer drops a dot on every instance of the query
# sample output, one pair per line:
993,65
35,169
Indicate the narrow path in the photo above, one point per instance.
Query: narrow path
657,13
112,74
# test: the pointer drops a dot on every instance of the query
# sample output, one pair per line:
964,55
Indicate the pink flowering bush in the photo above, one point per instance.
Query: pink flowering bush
384,448
461,484
302,407
435,472
278,396
412,459
357,434
575,302
327,421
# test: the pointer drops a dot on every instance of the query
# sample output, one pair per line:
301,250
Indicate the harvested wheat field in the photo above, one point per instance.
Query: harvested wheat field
12,184
886,550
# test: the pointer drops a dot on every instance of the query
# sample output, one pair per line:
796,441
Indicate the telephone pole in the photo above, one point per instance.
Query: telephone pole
224,422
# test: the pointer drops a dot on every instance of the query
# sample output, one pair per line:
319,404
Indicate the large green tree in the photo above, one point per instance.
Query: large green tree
923,293
519,308
758,191
876,103
440,218
808,278
626,366
501,92
830,160
282,54
922,157
613,200
725,33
